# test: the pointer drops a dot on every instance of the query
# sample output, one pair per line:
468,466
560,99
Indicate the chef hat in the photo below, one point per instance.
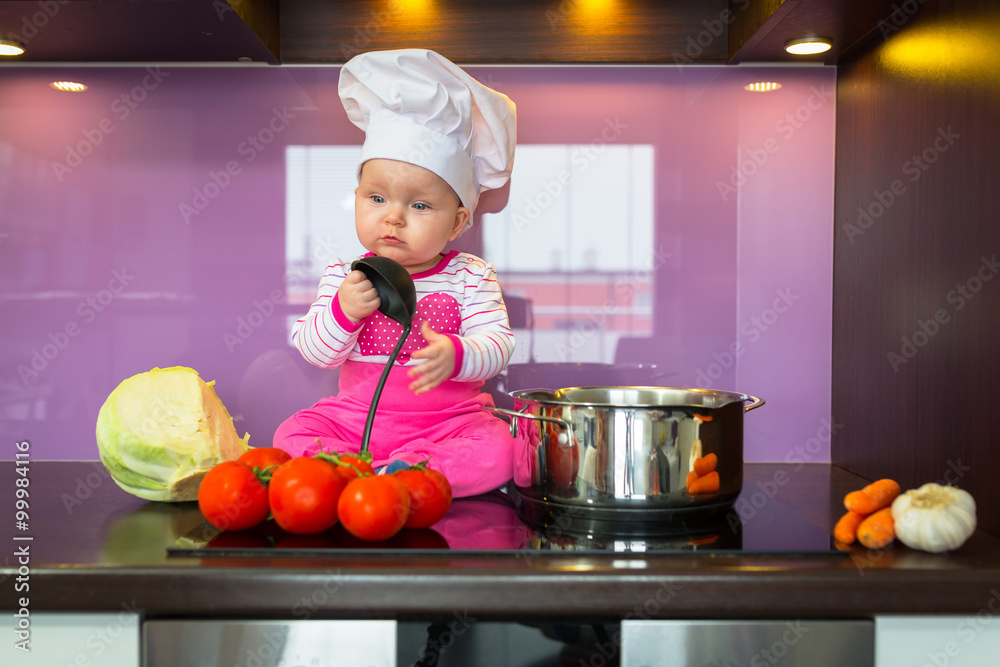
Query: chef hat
416,106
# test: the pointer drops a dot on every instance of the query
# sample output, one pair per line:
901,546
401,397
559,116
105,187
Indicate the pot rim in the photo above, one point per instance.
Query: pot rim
556,397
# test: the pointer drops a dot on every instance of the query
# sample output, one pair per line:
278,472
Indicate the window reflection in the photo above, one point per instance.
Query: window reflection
573,247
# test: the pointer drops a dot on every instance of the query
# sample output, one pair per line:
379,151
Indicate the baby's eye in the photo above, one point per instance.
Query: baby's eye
420,206
378,199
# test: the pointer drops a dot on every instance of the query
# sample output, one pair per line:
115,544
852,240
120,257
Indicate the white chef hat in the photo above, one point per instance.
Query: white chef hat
416,106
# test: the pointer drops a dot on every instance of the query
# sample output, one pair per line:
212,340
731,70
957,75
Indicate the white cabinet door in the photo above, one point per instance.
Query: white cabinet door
73,640
250,643
789,643
939,641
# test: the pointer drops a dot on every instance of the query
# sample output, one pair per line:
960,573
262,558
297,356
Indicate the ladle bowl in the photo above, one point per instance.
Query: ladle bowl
398,301
394,286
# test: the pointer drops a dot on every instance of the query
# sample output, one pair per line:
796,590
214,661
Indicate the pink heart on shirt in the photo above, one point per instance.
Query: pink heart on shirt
381,334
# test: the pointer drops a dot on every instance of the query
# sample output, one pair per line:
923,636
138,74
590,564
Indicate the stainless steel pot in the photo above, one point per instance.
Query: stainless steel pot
625,454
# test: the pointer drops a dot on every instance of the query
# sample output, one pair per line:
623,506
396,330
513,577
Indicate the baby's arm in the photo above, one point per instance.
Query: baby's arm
326,334
484,353
484,345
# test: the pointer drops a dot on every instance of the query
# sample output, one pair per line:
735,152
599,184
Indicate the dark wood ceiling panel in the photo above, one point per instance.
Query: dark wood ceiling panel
512,31
142,31
467,31
761,28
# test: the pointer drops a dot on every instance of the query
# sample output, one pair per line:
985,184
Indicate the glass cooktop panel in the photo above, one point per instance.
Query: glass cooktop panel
492,524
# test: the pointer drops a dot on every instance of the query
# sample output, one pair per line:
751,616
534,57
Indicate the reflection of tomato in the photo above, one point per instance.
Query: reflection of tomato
562,459
239,539
231,497
345,540
304,494
264,457
322,540
374,507
555,537
430,495
270,531
422,538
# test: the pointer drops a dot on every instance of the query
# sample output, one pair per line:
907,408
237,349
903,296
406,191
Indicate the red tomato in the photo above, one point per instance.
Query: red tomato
430,495
362,466
304,493
231,497
264,457
374,507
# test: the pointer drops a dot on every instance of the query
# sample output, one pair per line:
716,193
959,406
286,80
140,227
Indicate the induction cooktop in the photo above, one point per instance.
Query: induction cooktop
499,522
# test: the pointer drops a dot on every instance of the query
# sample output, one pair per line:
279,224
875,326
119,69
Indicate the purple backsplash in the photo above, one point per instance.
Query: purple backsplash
139,228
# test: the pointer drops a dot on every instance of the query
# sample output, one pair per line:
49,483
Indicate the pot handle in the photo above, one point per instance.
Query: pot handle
757,402
563,437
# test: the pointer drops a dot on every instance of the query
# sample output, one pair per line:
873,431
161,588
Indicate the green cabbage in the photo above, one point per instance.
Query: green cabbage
159,432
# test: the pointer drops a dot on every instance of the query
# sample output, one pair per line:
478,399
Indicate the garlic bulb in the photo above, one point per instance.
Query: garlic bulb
934,518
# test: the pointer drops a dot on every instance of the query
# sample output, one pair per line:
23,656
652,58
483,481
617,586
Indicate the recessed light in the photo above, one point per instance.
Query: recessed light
807,46
11,47
69,86
762,86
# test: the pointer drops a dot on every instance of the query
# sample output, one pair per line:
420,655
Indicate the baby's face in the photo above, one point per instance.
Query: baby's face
406,213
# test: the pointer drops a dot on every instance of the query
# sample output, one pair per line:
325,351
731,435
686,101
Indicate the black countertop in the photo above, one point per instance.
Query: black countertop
93,547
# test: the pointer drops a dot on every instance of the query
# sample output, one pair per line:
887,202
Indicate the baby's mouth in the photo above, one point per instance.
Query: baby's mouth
391,240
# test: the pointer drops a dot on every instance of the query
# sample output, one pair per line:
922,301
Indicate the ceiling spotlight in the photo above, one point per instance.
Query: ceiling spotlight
807,46
11,47
68,86
762,86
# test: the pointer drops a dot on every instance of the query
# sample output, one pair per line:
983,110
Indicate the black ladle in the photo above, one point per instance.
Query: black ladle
398,298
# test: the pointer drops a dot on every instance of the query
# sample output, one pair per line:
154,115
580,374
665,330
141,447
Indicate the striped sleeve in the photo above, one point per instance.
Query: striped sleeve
485,335
324,336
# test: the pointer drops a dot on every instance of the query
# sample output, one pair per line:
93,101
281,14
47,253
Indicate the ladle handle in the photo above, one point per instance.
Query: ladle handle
381,384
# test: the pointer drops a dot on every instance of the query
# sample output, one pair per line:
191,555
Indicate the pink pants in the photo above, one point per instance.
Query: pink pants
471,447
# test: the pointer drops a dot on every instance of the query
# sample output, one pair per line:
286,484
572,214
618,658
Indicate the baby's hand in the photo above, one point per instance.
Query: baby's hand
358,297
440,364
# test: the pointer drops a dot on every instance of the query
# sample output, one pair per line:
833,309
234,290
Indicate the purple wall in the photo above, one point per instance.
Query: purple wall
141,224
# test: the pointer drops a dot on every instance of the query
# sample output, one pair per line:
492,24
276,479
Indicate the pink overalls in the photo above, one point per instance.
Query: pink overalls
473,448
460,298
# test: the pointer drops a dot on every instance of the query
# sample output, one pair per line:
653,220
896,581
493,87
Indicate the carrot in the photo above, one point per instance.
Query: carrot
873,497
846,530
691,479
877,530
705,464
707,484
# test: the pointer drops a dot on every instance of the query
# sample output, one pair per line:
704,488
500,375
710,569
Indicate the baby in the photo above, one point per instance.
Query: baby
435,139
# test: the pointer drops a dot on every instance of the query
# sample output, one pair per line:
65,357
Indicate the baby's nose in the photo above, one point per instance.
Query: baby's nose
394,217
